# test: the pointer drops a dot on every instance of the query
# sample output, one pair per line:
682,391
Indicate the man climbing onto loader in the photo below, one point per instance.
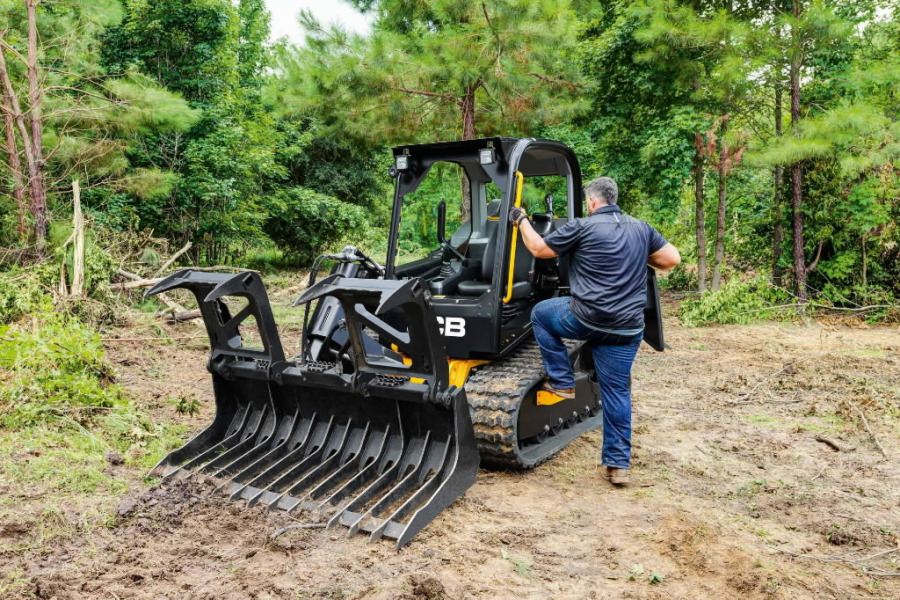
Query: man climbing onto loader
412,373
608,253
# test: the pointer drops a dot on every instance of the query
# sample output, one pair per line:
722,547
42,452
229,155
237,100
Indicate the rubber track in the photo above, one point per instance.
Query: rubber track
495,393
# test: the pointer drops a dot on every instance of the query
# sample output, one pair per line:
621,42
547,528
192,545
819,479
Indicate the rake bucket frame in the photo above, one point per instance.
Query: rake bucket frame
381,449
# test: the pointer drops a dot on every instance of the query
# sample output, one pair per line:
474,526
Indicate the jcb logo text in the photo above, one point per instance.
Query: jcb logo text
452,326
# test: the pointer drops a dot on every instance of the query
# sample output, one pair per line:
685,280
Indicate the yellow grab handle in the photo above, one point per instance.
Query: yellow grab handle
520,179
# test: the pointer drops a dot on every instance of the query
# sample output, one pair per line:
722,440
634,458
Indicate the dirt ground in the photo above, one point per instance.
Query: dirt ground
734,495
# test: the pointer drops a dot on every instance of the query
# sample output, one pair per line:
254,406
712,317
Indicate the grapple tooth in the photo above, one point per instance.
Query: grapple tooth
373,449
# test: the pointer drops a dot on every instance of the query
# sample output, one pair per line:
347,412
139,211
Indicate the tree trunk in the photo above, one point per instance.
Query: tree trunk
700,222
796,168
19,118
15,167
35,98
467,107
720,225
778,234
77,288
864,261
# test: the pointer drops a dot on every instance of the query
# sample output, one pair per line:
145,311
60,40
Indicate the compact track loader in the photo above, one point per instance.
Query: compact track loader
409,374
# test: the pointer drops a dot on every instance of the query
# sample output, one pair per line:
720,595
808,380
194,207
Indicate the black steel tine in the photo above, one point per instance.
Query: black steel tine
259,436
348,465
252,422
434,465
299,435
403,487
300,475
351,445
385,471
415,451
233,432
271,471
367,472
235,467
288,467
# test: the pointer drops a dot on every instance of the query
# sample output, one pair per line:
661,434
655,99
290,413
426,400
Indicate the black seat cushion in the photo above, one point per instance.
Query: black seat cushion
521,289
473,288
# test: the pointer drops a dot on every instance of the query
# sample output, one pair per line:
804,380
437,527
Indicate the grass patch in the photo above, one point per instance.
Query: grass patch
61,413
763,420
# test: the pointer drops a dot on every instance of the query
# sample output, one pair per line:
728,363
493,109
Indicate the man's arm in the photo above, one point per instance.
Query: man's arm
665,258
534,242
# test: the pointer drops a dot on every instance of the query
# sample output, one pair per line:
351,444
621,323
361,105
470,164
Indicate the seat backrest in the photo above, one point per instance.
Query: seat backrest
490,255
524,259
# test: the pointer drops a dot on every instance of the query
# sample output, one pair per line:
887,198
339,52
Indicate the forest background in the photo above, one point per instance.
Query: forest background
759,137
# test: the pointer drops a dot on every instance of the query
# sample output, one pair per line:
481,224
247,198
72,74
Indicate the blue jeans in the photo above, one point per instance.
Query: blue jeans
613,358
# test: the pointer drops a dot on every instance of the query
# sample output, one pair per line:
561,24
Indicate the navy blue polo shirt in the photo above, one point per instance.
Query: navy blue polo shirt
608,266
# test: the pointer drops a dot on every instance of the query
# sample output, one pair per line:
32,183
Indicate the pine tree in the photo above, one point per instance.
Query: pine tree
707,44
63,117
438,69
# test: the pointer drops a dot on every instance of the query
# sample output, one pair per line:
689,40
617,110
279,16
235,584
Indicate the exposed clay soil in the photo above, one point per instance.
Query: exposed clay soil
734,497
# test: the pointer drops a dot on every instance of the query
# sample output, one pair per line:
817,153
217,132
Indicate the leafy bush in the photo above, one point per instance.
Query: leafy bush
306,223
22,293
28,290
53,371
736,302
681,278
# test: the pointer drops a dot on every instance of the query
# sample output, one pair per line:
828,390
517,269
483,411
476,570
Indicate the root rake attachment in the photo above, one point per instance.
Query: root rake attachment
382,447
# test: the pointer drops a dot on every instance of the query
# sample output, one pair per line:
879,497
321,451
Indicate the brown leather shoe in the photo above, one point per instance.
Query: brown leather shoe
568,394
617,477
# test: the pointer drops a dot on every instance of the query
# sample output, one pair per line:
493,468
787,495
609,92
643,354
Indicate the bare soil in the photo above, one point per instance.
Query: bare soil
733,496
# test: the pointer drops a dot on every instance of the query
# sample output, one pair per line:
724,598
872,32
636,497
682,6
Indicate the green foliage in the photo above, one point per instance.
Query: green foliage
655,577
411,78
642,125
183,44
681,278
207,181
736,302
54,372
186,405
22,294
307,223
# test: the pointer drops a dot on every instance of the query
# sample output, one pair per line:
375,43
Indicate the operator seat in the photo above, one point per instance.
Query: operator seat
524,266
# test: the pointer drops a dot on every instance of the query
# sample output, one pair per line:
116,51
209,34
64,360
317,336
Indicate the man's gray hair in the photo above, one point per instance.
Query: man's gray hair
602,188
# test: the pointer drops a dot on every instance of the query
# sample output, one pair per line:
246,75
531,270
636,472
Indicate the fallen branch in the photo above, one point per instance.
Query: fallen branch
172,259
173,306
834,445
129,275
139,283
181,317
221,268
865,422
152,339
824,307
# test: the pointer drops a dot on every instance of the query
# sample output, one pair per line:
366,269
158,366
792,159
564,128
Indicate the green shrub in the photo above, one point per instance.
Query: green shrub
681,278
31,289
22,292
305,223
53,370
736,302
